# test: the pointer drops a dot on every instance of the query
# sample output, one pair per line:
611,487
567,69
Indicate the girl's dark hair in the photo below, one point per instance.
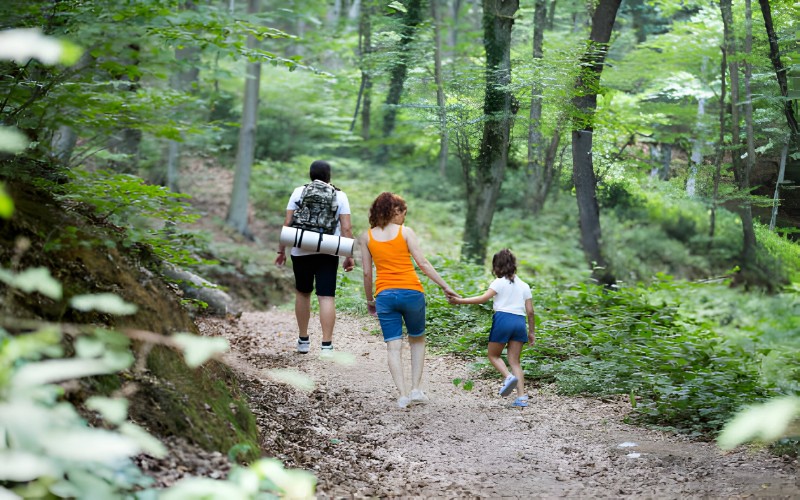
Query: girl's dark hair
320,170
384,208
504,264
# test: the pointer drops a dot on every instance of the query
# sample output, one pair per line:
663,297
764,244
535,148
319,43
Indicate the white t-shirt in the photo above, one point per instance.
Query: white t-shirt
344,209
510,296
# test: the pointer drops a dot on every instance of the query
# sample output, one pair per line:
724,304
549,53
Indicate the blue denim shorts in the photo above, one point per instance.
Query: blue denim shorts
507,326
398,305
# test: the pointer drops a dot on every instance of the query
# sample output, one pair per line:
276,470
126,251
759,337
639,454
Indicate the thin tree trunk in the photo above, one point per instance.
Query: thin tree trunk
780,72
237,216
540,170
585,102
697,148
127,140
182,81
411,20
776,197
441,103
748,231
497,110
720,148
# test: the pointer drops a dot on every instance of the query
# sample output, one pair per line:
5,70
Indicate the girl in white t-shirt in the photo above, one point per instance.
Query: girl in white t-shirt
512,304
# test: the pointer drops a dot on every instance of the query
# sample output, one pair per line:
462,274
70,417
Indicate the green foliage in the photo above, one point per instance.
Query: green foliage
685,352
149,214
49,450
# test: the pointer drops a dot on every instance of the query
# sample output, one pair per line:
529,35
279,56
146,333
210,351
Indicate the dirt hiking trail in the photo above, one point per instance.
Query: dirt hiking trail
349,432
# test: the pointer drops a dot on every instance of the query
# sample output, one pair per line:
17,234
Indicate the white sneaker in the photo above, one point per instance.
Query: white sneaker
403,401
418,397
326,351
303,346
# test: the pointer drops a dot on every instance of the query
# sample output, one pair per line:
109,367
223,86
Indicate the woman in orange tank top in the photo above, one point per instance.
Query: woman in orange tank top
399,296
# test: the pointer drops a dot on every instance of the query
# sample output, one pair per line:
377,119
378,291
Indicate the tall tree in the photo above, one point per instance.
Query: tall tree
483,185
238,210
780,72
585,102
748,231
444,140
541,156
398,73
184,78
364,99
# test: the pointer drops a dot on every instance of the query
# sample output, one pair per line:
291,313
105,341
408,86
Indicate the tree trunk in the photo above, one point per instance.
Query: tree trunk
441,103
720,148
780,72
364,51
775,198
697,149
749,234
411,20
127,140
498,20
733,70
237,217
541,158
182,81
585,102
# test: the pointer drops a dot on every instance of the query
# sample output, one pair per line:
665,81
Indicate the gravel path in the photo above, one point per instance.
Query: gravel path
464,444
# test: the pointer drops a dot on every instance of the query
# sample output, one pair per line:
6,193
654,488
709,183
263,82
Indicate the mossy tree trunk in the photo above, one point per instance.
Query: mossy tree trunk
399,71
585,103
484,182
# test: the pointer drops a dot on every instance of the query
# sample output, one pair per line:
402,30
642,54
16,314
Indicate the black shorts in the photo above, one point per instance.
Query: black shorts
320,268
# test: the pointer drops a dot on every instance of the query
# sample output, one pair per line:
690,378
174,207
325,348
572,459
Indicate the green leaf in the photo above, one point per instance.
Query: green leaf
398,7
6,203
37,279
57,370
198,350
766,422
144,439
113,410
104,302
88,445
201,487
292,483
22,466
12,140
294,378
70,53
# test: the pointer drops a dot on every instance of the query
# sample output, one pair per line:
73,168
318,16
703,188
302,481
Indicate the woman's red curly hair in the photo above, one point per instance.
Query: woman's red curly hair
384,208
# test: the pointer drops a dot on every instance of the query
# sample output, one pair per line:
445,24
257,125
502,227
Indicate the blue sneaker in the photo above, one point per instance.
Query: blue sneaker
520,402
508,385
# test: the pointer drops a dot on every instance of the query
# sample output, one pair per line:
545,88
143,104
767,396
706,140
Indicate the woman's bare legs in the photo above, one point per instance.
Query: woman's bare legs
394,352
417,346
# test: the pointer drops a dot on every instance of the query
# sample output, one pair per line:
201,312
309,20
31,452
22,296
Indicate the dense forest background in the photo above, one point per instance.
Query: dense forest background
638,156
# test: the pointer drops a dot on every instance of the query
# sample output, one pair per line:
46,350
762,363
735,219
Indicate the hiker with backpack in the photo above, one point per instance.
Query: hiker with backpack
322,208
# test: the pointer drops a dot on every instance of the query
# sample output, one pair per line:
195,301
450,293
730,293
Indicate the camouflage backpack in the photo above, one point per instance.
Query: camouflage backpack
316,210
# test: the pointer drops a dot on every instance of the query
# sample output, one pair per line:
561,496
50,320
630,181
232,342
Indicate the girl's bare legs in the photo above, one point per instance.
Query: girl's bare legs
495,351
394,351
514,353
417,346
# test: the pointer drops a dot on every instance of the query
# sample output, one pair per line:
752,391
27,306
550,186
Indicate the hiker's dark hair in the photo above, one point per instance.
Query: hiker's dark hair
504,264
320,170
384,208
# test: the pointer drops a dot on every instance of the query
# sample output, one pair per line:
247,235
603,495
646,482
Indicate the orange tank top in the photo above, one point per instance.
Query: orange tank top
393,264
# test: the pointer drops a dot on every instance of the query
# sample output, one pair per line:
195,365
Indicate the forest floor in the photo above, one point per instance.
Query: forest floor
349,432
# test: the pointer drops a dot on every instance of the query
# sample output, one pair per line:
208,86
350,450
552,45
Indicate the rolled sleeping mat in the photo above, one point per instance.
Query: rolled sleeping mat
313,241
